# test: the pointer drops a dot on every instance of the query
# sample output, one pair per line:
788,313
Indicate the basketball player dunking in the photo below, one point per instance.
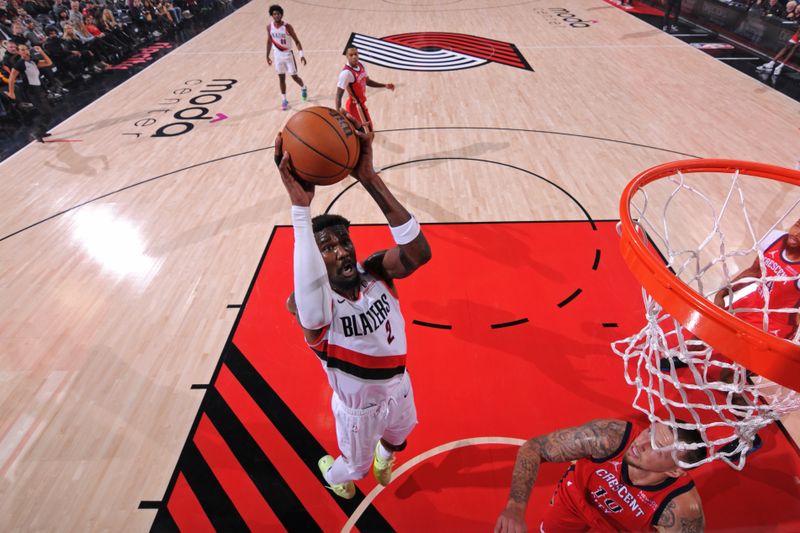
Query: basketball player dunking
281,35
350,316
354,80
618,481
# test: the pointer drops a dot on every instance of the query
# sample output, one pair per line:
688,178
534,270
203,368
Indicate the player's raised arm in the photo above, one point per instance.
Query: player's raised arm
596,439
412,250
753,271
312,298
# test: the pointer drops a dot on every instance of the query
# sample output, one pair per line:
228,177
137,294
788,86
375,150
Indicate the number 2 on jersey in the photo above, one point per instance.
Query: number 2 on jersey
389,336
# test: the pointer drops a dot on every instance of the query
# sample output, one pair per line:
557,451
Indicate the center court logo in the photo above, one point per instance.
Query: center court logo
435,51
563,17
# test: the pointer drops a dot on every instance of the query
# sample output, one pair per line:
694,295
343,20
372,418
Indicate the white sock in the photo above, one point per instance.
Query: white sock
383,452
338,473
303,87
283,96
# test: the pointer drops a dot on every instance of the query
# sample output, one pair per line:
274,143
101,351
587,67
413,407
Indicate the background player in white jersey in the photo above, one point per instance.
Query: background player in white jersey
351,319
280,36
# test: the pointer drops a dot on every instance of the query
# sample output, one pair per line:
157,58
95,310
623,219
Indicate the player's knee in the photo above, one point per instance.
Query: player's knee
394,447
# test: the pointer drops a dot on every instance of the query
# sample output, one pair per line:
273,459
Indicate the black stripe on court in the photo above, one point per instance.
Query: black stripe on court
199,386
215,502
569,298
596,259
610,325
163,522
431,324
297,435
233,306
274,489
150,504
509,324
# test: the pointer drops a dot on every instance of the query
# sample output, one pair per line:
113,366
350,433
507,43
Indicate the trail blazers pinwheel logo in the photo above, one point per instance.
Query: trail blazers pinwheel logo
435,51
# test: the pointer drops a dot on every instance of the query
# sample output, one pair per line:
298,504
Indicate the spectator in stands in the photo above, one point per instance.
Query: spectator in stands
795,13
18,33
108,23
772,8
34,34
58,7
63,19
71,62
73,42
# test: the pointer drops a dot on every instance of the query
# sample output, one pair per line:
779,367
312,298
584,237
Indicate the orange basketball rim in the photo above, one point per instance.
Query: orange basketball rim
767,355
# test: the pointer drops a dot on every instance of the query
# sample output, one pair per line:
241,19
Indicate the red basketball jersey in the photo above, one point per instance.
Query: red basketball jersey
359,86
783,294
598,495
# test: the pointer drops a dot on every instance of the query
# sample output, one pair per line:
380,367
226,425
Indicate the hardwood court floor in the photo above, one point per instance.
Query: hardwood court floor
121,254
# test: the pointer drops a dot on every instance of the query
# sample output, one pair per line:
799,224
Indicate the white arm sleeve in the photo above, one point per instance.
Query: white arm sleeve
312,290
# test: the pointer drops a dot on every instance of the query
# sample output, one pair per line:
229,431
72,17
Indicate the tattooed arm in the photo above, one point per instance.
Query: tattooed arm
597,439
682,514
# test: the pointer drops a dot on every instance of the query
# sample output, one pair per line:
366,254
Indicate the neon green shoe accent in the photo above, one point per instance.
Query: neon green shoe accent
382,468
343,490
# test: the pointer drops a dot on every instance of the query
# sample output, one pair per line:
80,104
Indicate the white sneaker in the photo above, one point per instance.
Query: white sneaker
777,71
766,66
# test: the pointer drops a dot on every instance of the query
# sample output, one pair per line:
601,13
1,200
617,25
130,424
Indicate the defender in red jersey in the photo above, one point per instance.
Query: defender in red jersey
354,80
781,270
617,482
350,316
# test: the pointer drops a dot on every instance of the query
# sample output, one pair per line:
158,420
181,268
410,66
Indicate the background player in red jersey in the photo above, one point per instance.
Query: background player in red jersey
351,318
618,482
781,289
355,81
280,36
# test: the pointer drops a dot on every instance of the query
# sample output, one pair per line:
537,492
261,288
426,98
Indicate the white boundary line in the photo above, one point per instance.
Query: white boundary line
424,456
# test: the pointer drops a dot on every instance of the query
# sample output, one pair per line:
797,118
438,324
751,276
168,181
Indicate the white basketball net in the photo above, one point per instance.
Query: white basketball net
709,227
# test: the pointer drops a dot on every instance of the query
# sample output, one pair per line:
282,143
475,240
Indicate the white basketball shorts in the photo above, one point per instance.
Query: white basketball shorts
358,430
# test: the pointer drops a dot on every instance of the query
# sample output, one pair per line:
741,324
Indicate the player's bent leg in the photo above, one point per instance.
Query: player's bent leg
402,419
345,489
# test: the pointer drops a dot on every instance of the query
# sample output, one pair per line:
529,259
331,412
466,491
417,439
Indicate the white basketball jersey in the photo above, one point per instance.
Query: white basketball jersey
363,350
281,39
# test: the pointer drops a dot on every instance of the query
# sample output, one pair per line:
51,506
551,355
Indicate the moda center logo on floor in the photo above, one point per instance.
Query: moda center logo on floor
559,16
191,103
435,51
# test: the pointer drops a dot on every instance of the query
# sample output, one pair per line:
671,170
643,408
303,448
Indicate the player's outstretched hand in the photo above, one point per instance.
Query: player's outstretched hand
511,520
390,86
303,60
300,192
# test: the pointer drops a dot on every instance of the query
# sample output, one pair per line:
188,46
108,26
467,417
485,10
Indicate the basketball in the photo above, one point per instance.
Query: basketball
322,143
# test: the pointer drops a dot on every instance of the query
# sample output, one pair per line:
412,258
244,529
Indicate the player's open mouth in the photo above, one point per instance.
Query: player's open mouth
347,270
